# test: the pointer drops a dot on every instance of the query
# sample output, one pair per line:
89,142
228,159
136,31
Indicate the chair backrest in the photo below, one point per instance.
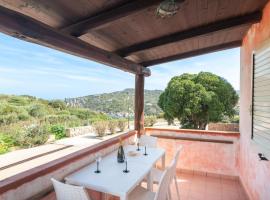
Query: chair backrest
177,153
175,160
149,141
164,184
69,192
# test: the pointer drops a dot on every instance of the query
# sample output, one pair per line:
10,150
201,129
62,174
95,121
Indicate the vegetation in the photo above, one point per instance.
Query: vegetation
118,104
59,131
26,121
197,99
100,127
122,125
150,121
112,125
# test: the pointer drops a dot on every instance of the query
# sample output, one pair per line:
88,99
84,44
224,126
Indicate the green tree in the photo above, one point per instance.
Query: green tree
197,99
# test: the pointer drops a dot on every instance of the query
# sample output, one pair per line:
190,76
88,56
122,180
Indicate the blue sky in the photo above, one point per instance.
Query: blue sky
31,69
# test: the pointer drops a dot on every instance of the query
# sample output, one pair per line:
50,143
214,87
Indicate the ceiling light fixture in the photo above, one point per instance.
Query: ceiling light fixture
167,8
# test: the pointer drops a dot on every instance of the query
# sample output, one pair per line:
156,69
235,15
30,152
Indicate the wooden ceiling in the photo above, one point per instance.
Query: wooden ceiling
127,34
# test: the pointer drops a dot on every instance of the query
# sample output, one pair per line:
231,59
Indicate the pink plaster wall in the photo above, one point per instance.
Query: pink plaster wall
202,157
254,174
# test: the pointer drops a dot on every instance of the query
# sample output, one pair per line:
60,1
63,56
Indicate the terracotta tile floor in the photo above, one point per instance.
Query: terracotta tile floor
197,187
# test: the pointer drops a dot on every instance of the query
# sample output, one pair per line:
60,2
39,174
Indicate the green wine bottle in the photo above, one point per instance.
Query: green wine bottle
120,153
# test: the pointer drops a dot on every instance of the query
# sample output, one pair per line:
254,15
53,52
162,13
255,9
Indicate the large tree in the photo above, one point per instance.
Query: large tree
197,99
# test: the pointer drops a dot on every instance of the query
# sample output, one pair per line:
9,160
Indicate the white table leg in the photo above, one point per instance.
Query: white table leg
150,181
163,161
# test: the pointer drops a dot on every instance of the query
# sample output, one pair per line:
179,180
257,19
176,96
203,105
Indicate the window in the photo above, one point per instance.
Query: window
261,100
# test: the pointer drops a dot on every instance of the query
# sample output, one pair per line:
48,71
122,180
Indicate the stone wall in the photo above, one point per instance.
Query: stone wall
223,126
82,130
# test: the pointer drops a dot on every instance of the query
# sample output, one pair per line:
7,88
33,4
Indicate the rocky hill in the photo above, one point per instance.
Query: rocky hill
117,103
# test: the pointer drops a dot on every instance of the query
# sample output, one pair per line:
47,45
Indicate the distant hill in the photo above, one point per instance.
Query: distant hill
117,103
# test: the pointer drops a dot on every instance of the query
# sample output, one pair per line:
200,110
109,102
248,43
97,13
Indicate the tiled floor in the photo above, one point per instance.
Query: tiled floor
197,187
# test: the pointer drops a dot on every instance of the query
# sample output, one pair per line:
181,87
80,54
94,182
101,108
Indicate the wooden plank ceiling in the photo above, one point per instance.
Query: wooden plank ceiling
128,32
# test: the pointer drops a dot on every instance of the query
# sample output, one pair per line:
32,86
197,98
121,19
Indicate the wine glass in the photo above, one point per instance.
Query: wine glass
138,144
126,162
98,160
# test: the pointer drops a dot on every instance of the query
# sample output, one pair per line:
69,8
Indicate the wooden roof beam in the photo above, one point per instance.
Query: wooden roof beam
193,32
26,28
108,16
193,53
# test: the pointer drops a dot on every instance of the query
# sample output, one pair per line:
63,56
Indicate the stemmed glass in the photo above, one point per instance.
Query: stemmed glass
138,144
145,153
98,160
126,162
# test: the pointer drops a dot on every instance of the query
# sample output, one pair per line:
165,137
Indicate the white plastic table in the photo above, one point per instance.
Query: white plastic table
112,180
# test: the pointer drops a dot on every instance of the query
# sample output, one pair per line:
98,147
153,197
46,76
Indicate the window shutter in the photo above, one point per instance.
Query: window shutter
261,100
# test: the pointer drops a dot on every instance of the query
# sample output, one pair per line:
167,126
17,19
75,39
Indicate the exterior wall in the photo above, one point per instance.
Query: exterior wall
41,183
254,174
204,152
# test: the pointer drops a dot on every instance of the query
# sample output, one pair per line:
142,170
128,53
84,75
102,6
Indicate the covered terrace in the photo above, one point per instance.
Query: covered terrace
129,36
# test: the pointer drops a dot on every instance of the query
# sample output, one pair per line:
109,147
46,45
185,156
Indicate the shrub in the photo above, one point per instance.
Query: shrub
33,135
3,148
150,120
63,112
112,125
58,131
81,113
100,127
51,119
23,116
6,109
6,141
8,119
122,124
58,104
37,110
18,100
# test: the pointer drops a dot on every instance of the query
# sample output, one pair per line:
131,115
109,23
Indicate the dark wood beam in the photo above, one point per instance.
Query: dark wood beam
139,104
108,16
193,32
193,53
26,28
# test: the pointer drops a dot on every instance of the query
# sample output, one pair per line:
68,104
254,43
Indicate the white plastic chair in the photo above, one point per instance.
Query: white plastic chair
157,173
149,141
140,193
69,192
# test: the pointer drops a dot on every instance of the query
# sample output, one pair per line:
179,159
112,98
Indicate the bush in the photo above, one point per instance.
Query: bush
81,113
6,109
32,135
150,121
23,116
112,125
58,104
18,100
37,110
8,119
100,127
6,142
3,148
122,125
59,131
51,119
